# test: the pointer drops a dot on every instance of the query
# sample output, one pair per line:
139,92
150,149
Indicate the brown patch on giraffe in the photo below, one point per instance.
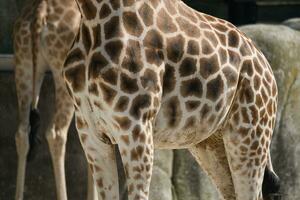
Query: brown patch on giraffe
165,22
209,66
210,36
122,104
169,79
175,47
97,63
124,122
96,36
234,58
134,155
254,114
113,49
81,123
245,49
154,56
74,56
257,82
170,7
245,115
128,84
220,27
115,4
110,76
149,80
132,61
137,134
128,3
231,76
191,87
222,38
112,28
154,3
187,27
146,14
86,37
108,93
204,111
173,111
187,12
125,139
89,10
209,18
76,77
192,105
153,39
215,88
206,47
193,47
104,11
138,103
247,67
190,122
93,88
132,23
257,66
188,67
233,38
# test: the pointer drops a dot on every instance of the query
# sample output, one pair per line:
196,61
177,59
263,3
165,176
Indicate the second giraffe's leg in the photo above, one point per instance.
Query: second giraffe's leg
136,149
57,135
92,190
24,87
211,156
101,159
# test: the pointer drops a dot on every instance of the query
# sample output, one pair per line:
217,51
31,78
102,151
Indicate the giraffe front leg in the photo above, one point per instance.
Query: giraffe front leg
136,148
57,135
102,161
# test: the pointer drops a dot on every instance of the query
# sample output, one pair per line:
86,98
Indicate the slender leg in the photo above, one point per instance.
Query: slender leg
23,79
136,150
211,156
57,135
247,137
92,190
101,159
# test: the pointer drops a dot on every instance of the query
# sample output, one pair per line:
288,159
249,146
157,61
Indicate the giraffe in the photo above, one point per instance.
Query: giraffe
147,74
43,34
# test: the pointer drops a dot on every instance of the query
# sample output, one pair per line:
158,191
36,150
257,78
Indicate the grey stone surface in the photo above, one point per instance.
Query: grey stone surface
281,45
190,182
293,23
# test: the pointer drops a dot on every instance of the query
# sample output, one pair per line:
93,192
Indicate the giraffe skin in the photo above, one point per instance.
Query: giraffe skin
147,74
43,34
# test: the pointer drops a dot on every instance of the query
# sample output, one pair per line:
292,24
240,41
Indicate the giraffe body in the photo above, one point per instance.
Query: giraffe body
158,74
43,34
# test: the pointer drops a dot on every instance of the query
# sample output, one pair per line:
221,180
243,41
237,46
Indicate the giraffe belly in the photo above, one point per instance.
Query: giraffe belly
177,130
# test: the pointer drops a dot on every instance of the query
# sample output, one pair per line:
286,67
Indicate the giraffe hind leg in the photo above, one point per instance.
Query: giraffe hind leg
211,156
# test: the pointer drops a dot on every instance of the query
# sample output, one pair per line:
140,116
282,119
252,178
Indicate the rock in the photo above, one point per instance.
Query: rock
293,23
281,45
190,182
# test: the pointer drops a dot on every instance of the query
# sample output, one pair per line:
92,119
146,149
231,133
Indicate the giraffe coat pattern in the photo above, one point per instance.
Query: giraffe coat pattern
147,74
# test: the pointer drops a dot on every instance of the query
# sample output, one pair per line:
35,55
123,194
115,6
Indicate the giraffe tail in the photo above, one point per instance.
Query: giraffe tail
34,139
271,183
34,118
